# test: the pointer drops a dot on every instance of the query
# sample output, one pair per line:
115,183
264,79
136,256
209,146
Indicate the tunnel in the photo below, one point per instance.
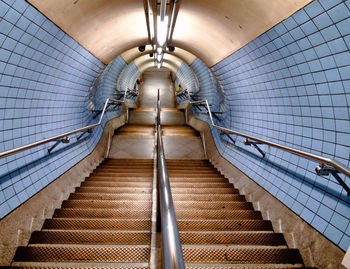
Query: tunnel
254,94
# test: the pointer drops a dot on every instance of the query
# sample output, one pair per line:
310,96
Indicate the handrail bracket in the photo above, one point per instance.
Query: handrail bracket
64,140
324,170
255,145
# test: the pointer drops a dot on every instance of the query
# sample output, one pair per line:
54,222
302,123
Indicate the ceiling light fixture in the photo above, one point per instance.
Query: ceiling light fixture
162,30
159,57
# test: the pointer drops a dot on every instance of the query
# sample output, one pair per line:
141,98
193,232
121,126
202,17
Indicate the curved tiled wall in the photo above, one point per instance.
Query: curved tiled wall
128,77
292,86
187,78
45,77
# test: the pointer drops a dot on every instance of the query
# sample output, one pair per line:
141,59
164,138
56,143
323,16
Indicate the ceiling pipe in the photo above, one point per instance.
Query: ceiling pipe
174,11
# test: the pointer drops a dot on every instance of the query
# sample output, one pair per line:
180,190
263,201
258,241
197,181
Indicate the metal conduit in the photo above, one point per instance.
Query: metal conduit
172,251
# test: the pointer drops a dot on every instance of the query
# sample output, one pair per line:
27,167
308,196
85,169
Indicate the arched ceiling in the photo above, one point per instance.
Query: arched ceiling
208,29
134,53
170,61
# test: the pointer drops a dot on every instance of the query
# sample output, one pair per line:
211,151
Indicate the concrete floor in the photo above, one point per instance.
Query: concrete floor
153,80
132,145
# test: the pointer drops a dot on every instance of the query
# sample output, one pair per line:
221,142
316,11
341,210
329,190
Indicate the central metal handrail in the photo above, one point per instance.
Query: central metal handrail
61,136
172,251
327,165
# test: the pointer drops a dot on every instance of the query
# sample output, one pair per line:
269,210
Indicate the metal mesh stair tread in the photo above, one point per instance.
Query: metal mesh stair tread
242,255
119,179
71,265
101,224
224,225
83,254
197,179
232,238
113,190
116,184
91,237
223,205
208,197
204,190
218,214
119,204
111,196
125,174
200,185
102,213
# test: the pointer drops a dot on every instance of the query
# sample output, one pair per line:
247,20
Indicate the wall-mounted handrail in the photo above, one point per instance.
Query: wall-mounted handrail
61,136
327,165
172,251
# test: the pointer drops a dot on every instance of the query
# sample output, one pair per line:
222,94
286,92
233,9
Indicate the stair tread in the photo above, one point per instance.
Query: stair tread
91,237
102,213
223,225
101,224
217,214
118,204
208,197
114,190
242,255
111,196
83,254
232,238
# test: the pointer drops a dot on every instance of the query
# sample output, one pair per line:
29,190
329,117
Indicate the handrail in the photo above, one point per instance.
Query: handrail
57,137
172,252
322,169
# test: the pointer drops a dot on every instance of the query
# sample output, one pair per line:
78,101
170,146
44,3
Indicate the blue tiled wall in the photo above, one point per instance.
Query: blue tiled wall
292,86
187,78
45,80
209,87
128,77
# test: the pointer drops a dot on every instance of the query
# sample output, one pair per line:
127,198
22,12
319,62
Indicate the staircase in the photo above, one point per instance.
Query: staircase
217,226
105,223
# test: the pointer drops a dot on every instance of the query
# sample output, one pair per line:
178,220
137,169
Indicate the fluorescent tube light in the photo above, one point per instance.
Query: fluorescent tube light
162,30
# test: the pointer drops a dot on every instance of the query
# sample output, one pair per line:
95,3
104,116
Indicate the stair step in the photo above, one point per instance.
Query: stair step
224,225
102,213
244,266
198,180
124,169
120,204
90,237
115,190
218,214
204,190
47,265
125,174
194,175
119,179
99,183
110,196
83,254
97,224
201,185
128,161
242,255
223,205
208,197
232,238
192,172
